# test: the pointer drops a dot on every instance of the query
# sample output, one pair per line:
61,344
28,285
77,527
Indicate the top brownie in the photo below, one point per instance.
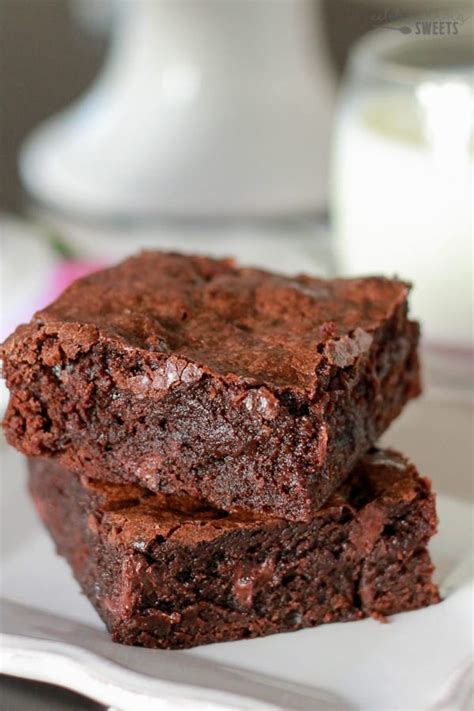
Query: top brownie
190,375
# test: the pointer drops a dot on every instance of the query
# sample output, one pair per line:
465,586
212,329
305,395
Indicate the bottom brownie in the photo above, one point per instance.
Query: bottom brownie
163,571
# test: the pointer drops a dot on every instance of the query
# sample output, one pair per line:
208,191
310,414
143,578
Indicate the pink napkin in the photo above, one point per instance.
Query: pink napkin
64,274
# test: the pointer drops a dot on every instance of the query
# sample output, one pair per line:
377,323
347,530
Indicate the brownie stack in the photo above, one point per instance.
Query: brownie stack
201,447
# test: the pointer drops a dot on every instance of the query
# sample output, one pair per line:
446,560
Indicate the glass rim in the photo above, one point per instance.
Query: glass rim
375,53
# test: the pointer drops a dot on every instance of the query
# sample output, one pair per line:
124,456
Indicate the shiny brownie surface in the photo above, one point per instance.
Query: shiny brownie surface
190,375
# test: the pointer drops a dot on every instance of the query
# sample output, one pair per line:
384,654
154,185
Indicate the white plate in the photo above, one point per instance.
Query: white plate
418,661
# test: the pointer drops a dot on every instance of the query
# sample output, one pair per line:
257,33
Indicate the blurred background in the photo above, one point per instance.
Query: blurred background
52,49
326,136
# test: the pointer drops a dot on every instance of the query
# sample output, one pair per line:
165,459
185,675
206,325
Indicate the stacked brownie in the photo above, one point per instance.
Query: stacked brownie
201,442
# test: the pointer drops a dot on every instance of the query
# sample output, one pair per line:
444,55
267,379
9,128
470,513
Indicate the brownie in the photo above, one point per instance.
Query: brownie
190,375
164,571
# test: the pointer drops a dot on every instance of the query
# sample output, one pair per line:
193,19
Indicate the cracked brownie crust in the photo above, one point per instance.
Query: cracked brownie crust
164,571
190,375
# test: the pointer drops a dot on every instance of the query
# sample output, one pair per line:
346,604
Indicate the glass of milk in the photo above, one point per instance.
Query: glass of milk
402,171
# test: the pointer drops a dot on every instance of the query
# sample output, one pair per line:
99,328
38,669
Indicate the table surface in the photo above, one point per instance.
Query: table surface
22,695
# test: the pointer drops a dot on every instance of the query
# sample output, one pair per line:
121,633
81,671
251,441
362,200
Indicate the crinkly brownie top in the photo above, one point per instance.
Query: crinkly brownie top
229,320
